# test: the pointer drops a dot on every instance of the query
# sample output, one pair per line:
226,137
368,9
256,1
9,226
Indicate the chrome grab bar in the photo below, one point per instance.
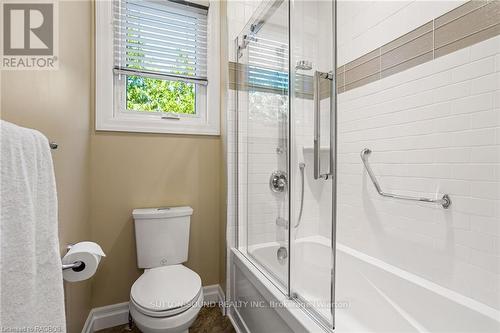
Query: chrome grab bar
445,201
317,125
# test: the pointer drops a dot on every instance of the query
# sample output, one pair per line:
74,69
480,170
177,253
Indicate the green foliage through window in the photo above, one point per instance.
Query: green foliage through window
154,95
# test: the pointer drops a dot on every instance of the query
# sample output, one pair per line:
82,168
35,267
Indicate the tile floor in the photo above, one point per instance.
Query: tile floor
210,320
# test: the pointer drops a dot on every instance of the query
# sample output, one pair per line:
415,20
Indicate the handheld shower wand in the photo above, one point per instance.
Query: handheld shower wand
302,166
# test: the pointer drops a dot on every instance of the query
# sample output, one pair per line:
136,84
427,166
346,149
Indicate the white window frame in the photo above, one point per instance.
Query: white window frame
108,114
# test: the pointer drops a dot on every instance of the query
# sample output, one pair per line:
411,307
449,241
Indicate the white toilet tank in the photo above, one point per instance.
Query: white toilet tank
162,235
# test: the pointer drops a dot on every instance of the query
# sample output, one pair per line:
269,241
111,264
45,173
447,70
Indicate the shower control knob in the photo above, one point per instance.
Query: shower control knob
278,181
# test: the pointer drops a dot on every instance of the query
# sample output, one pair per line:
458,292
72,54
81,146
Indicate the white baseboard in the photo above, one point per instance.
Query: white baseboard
213,294
106,316
117,314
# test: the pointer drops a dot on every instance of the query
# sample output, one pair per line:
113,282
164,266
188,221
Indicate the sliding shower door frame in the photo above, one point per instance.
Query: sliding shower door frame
333,157
287,290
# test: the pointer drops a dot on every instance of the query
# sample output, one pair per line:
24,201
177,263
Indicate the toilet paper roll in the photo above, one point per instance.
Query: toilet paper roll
89,253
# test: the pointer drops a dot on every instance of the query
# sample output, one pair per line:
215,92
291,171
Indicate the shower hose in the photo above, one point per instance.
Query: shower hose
302,166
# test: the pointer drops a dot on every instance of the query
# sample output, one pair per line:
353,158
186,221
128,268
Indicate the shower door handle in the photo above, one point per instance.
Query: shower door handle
318,76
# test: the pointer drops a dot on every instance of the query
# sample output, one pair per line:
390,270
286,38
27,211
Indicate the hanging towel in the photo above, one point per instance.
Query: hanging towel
31,282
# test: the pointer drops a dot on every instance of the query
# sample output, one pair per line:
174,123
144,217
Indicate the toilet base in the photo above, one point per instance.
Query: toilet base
179,323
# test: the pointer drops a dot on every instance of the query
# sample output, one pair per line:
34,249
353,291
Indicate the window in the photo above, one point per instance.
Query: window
157,66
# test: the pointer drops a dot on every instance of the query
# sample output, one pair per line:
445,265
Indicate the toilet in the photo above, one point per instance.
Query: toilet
167,296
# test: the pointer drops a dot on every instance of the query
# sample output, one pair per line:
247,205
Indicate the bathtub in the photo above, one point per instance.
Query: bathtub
311,269
371,295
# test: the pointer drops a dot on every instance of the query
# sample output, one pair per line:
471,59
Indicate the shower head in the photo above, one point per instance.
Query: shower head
304,65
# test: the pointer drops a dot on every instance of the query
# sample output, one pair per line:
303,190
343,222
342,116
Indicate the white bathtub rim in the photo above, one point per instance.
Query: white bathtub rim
447,293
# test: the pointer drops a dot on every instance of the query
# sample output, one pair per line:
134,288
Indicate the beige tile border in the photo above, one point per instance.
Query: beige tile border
468,24
303,83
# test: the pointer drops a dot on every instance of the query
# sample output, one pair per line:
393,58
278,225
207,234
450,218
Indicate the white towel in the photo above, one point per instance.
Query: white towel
30,265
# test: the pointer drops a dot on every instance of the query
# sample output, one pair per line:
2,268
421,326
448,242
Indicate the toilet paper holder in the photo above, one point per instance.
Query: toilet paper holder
77,266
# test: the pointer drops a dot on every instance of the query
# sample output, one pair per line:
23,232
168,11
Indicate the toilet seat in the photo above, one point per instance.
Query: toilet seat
179,323
166,291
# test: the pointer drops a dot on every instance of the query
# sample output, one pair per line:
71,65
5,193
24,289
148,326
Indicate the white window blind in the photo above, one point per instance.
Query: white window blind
161,39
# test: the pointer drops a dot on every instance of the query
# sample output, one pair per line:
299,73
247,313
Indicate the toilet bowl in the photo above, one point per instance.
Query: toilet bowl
166,299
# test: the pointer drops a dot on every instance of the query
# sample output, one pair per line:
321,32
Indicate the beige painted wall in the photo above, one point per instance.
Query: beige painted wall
58,104
102,176
133,170
147,170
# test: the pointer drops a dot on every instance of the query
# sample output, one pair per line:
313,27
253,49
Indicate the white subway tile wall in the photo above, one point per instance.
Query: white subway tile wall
433,129
364,26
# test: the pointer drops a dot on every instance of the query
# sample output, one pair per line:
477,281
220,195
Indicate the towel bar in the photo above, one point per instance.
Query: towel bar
445,201
53,145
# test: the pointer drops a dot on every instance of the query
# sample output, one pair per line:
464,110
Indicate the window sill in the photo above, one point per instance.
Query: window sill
163,126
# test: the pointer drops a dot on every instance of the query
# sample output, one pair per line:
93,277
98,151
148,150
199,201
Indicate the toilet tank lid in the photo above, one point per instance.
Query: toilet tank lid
161,212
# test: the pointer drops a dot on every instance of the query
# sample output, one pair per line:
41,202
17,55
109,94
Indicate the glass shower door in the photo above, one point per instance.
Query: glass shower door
263,145
312,116
286,99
